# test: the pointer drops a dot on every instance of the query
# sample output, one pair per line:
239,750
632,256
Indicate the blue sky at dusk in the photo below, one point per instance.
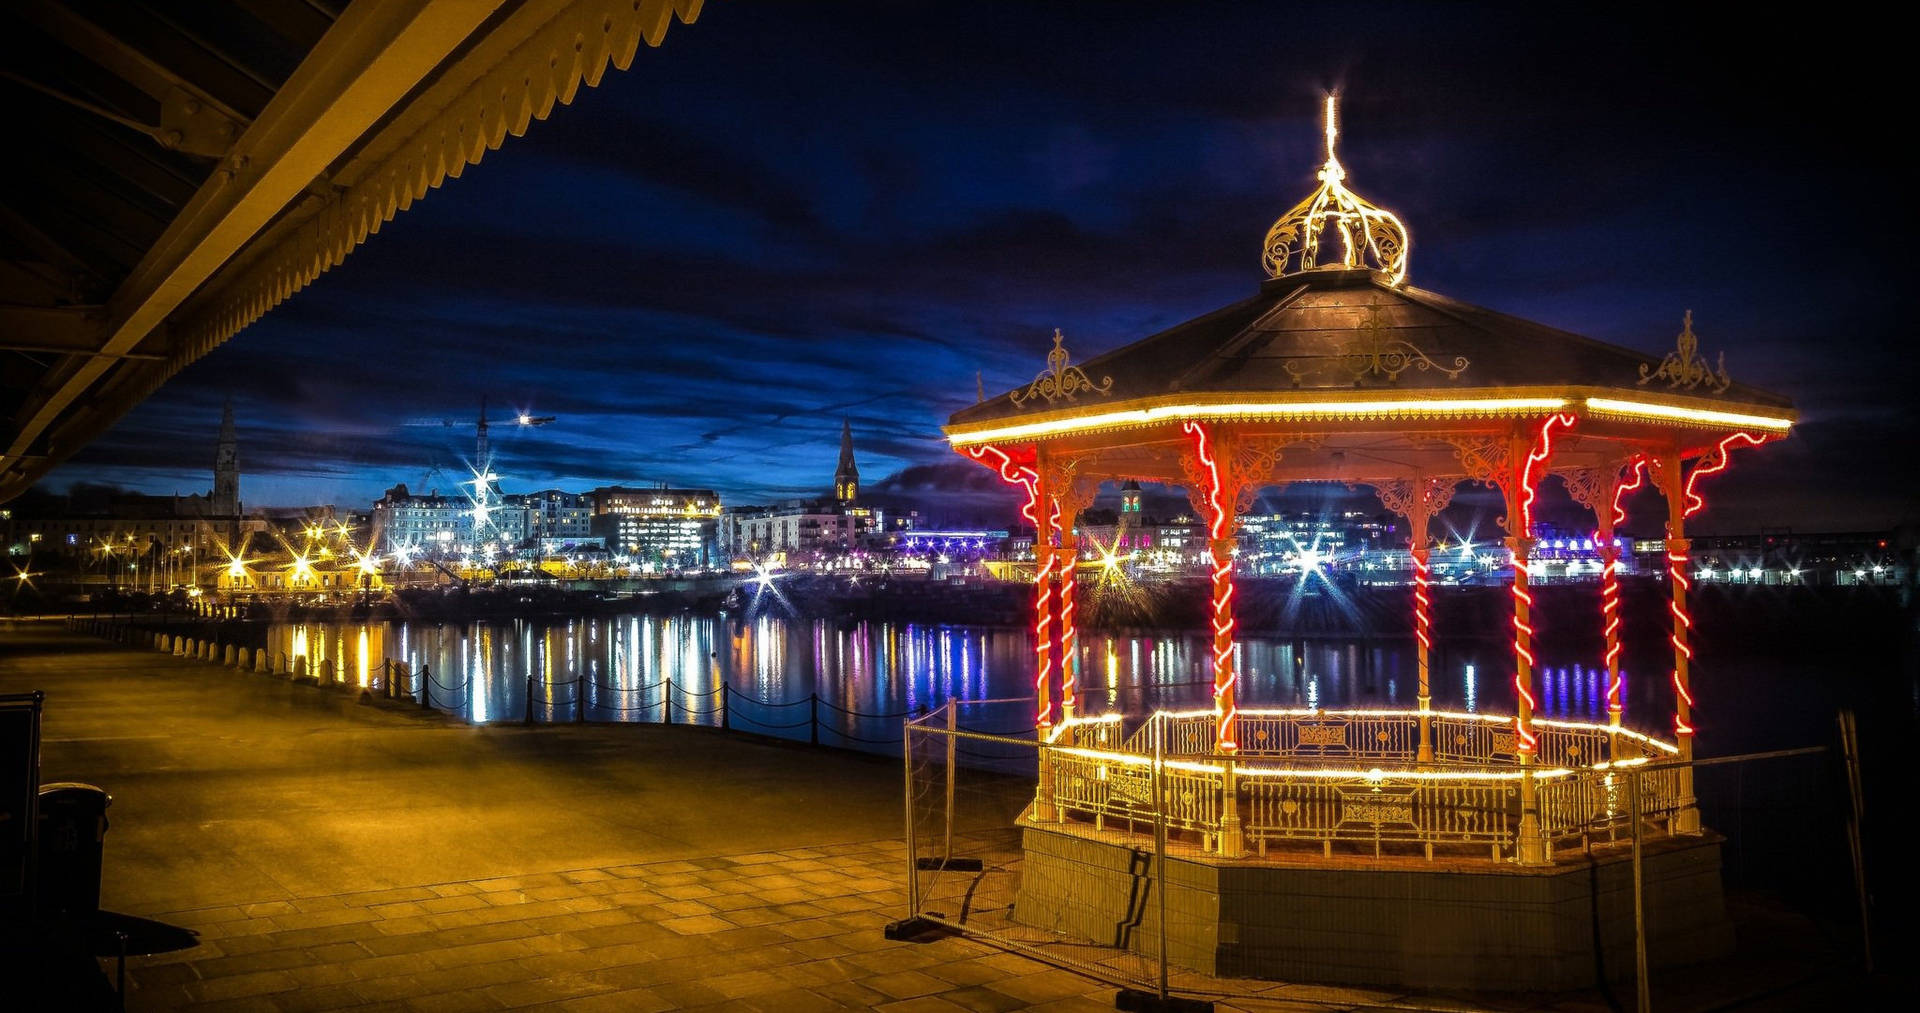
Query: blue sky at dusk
793,214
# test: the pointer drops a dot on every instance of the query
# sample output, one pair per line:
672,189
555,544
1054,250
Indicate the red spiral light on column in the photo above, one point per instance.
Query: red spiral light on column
1524,739
1225,705
1610,626
1422,601
1531,471
1682,623
1069,635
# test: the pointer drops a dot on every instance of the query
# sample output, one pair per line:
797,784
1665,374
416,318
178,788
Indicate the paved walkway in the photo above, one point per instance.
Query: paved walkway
334,854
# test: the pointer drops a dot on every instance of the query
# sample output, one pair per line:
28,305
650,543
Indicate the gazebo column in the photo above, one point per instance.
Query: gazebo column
1068,567
1519,471
1043,563
1423,630
1219,482
1686,817
1532,849
1070,491
1603,490
1418,501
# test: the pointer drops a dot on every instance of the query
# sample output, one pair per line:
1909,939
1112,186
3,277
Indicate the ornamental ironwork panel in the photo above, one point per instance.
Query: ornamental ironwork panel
1685,367
1061,380
1379,355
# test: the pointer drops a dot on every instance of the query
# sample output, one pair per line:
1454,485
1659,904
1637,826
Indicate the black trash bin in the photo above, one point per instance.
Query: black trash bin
73,832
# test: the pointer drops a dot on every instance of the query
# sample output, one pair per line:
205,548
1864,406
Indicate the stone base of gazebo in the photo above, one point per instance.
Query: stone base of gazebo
1381,921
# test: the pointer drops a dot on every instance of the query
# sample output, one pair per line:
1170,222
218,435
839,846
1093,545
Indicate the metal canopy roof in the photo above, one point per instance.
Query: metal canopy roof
182,166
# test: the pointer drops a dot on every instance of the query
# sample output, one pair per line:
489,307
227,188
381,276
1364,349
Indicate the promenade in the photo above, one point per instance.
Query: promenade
335,854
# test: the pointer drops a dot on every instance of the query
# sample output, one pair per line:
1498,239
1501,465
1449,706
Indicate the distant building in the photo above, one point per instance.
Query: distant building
846,478
555,515
794,531
799,531
430,523
672,528
139,533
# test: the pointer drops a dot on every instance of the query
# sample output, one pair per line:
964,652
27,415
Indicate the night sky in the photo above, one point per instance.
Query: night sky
787,216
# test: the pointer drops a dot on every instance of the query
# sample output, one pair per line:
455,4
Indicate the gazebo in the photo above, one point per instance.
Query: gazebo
1338,369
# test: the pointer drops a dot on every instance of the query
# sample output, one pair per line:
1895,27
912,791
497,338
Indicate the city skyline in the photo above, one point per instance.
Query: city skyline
858,248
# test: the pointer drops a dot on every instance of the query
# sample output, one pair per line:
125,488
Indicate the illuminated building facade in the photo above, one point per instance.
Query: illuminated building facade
806,531
795,531
672,528
430,523
556,515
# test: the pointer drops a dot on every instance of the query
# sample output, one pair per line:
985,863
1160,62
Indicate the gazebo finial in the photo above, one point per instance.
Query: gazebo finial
1369,236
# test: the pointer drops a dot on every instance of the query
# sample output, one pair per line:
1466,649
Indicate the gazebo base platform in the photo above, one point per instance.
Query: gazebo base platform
1448,923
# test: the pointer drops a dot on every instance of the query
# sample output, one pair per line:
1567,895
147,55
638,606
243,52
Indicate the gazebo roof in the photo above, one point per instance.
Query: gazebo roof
1365,375
1349,331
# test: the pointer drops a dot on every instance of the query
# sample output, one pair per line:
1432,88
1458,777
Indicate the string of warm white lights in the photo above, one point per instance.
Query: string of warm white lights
962,437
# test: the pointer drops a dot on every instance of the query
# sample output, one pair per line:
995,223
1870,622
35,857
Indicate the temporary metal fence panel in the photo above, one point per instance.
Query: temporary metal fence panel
1077,882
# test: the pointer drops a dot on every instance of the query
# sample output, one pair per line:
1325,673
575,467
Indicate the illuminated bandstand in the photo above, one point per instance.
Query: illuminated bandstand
1338,370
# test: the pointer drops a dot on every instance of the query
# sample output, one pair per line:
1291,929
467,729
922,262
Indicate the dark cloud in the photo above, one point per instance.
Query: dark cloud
793,214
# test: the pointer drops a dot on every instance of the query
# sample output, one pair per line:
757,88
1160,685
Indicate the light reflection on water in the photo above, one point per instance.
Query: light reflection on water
866,675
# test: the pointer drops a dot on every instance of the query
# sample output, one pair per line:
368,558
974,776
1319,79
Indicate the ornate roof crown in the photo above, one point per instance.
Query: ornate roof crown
1369,236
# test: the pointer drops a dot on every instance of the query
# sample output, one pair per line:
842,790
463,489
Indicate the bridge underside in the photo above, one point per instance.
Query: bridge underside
184,170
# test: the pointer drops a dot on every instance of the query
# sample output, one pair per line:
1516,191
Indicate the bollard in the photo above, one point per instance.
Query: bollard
726,719
260,662
426,687
179,646
580,696
227,658
300,667
529,698
813,718
325,677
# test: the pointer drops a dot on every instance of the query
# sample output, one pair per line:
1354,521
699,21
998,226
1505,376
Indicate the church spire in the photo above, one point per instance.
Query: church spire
225,501
846,478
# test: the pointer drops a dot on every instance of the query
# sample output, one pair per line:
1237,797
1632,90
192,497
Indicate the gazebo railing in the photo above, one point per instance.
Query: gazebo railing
1392,735
1381,812
1348,777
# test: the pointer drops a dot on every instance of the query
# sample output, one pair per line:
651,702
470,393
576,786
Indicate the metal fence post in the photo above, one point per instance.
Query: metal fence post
726,719
953,710
666,700
529,698
580,696
813,726
1850,747
906,775
426,687
1643,1000
1160,845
